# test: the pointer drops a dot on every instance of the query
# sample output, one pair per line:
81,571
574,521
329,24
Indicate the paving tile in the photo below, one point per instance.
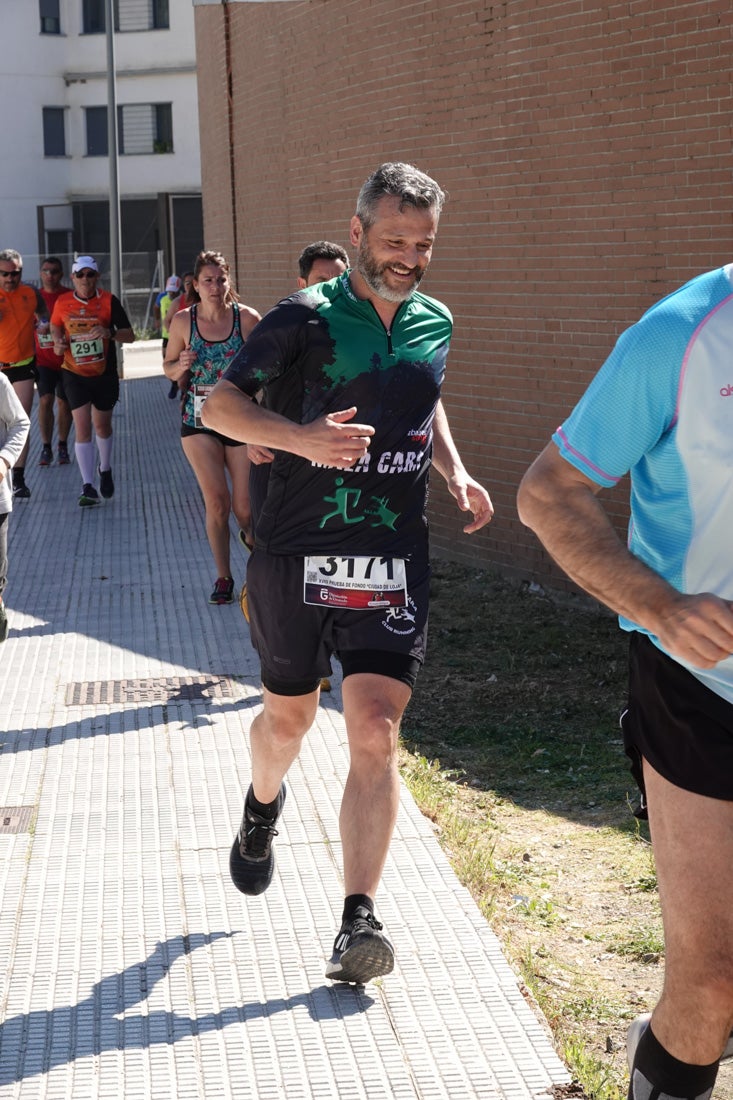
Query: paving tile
129,965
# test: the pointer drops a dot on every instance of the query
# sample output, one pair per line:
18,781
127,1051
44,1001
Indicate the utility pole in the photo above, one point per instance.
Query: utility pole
115,237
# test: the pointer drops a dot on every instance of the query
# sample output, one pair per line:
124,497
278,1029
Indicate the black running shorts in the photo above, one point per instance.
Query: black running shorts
101,390
225,441
295,640
679,725
26,373
50,381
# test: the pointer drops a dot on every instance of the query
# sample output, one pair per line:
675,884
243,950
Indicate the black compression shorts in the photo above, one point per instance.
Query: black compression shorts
295,640
679,725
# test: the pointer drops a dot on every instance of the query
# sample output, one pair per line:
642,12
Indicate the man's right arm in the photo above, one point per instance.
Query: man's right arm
560,505
332,440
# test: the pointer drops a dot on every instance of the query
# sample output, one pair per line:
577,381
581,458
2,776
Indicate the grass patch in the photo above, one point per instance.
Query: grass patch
511,746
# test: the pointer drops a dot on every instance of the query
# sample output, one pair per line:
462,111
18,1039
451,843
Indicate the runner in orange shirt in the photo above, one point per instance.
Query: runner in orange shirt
85,326
21,308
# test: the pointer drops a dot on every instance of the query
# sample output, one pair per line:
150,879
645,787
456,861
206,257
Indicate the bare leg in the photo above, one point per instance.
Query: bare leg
238,465
45,418
276,735
206,456
25,390
373,709
63,420
692,837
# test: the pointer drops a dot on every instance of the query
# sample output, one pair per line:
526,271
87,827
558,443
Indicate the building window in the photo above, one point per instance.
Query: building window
96,123
93,19
130,15
141,128
146,128
50,16
54,138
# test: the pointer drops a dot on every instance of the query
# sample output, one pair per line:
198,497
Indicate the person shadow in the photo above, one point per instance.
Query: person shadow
37,1042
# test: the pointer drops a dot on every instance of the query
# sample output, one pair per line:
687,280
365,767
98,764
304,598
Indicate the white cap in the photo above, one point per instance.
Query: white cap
173,284
84,261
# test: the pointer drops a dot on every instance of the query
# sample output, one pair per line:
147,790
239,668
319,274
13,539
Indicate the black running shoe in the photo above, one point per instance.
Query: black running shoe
88,497
223,591
63,455
251,862
46,456
106,484
360,952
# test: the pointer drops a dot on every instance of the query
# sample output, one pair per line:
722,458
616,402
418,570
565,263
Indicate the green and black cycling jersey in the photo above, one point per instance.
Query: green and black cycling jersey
322,350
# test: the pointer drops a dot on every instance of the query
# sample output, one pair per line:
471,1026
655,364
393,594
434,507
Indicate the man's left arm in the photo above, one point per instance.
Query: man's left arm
469,495
41,310
120,330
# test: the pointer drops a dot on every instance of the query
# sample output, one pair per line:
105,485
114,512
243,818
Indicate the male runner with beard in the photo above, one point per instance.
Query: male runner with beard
350,372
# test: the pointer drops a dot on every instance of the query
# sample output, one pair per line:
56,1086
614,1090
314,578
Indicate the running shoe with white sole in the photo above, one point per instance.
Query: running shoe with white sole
361,951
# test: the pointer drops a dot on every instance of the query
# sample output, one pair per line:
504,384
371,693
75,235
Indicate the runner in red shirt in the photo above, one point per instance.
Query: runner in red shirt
50,381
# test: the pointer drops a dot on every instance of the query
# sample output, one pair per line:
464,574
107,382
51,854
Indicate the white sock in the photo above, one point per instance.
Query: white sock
85,461
104,446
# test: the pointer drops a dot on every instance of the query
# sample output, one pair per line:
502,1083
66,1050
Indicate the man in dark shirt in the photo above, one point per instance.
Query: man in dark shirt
350,372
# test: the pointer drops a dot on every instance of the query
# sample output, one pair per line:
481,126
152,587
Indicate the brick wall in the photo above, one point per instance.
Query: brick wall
587,152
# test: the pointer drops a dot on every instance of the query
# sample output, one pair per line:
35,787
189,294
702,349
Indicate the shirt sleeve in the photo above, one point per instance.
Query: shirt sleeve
271,348
15,423
119,317
628,407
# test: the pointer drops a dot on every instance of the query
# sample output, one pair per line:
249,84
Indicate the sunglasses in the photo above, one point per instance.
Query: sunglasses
85,274
51,271
10,274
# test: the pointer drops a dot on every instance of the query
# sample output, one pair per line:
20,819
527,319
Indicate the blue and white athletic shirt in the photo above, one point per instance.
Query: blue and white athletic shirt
661,408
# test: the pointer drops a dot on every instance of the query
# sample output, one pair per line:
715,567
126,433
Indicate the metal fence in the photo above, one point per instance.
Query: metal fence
143,278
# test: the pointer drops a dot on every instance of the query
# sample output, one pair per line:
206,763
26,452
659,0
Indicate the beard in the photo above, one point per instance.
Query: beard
372,272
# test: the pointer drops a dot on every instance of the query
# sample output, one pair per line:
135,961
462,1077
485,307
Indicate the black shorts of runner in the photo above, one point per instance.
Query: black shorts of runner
681,727
50,381
102,390
26,373
295,640
223,439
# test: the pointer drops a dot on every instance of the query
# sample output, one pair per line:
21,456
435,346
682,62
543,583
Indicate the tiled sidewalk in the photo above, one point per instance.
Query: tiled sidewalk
129,965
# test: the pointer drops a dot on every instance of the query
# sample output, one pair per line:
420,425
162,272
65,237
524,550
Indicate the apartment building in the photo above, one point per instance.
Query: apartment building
54,90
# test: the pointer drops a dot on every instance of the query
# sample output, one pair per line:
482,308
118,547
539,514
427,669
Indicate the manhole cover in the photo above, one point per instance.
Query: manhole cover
15,819
164,689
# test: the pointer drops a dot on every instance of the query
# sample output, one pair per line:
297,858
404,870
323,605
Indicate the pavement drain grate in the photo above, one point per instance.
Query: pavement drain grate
164,689
15,819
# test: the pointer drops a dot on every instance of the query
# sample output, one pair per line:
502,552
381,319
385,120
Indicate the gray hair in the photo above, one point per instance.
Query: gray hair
11,257
411,186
